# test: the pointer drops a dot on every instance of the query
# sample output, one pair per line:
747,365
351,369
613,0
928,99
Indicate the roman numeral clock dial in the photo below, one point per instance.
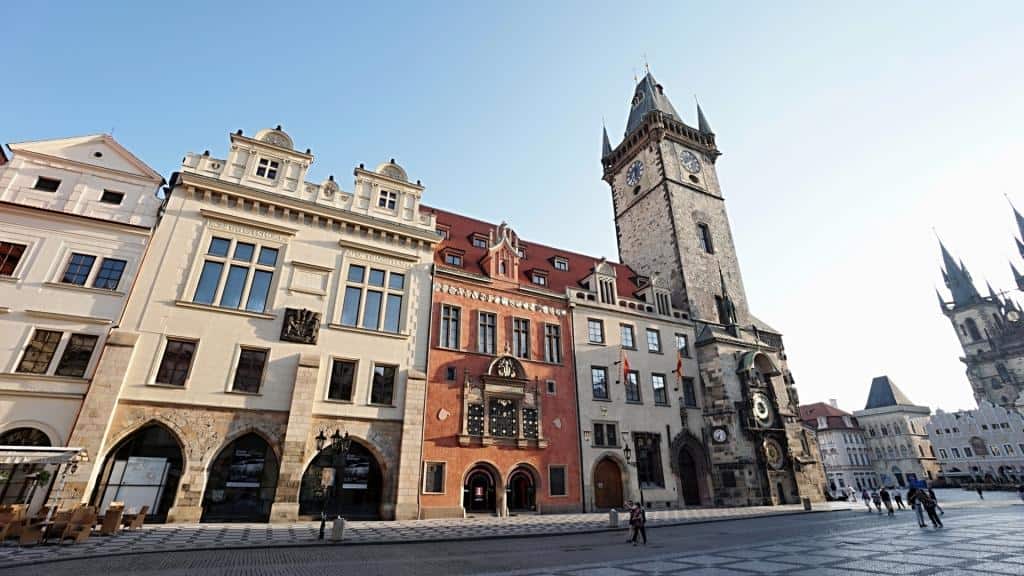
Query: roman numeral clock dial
636,170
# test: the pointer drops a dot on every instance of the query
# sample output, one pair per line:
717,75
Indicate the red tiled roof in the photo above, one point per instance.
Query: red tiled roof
539,257
809,414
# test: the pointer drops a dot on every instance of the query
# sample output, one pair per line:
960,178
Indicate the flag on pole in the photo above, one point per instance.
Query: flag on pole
625,368
679,365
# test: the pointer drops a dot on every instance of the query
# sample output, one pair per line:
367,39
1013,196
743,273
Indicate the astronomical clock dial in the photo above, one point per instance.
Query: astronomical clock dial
690,161
719,435
762,407
636,170
773,453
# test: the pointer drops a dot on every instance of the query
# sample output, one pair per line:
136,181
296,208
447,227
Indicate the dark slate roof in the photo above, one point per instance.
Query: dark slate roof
885,393
958,279
649,96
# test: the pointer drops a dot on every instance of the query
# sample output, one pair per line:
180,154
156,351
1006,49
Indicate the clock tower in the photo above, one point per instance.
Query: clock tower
671,222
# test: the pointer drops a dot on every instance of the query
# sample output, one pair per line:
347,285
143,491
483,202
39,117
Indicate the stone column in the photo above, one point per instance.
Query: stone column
296,437
407,501
95,416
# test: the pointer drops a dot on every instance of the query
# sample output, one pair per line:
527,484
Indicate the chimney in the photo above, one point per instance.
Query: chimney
832,403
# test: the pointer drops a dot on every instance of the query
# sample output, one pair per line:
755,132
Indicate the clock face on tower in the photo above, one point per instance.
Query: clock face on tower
762,408
690,161
636,170
719,435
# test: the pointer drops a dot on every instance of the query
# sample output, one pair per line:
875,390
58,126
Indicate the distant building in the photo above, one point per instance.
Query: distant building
984,445
897,435
843,445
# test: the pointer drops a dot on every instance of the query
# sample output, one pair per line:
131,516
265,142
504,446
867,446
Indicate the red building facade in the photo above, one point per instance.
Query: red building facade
500,431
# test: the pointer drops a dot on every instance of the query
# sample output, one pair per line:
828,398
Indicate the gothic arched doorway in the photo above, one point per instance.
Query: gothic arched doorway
242,482
479,493
688,478
21,481
142,470
522,490
607,484
360,484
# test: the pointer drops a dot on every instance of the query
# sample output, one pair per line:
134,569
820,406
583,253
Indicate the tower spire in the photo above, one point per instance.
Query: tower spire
702,122
958,279
649,96
1017,278
942,302
606,147
1020,224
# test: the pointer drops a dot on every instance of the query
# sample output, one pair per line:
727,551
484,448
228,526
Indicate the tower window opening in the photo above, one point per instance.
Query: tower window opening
972,329
704,235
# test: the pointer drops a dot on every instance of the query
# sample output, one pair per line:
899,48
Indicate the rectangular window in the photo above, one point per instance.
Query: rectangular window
521,338
39,352
664,306
552,387
387,200
76,355
653,340
10,255
110,273
553,343
267,168
249,373
479,242
633,386
660,394
176,362
561,264
704,236
556,480
453,259
383,390
682,345
539,279
111,197
350,308
942,452
1008,449
968,453
78,268
433,477
343,376
47,184
486,340
605,435
599,382
246,281
595,331
371,310
689,393
450,326
956,452
628,336
366,306
648,460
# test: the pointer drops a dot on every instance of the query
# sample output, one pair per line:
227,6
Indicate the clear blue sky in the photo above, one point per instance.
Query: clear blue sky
848,131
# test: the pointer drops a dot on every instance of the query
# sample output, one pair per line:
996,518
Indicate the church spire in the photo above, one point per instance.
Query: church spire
1020,225
702,122
648,97
958,279
606,146
942,302
1017,278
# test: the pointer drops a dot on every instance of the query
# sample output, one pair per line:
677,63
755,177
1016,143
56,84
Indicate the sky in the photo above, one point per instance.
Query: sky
851,132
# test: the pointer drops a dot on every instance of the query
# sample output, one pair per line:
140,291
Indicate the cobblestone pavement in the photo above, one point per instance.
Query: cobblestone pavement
989,543
175,537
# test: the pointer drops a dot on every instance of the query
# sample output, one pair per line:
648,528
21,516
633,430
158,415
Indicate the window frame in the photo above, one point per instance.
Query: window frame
565,481
70,261
444,326
521,329
481,332
704,238
20,263
692,382
684,350
67,347
453,259
657,334
240,349
40,179
113,193
330,376
387,200
444,476
102,267
664,390
635,374
599,323
552,343
394,384
604,425
631,329
162,351
607,389
204,255
266,164
57,351
365,286
561,264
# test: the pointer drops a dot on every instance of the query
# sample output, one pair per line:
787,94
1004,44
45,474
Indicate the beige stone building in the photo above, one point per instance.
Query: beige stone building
76,215
897,435
270,310
637,389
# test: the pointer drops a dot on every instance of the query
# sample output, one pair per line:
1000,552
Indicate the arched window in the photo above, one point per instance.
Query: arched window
972,329
18,483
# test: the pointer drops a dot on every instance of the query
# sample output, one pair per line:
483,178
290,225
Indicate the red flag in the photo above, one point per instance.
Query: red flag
625,368
679,364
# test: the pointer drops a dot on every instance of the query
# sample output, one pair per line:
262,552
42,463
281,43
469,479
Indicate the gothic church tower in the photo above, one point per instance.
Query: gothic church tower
671,221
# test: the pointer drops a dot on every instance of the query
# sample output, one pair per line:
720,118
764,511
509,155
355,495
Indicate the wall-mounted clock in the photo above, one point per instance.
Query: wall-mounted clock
762,408
636,170
719,435
690,161
773,453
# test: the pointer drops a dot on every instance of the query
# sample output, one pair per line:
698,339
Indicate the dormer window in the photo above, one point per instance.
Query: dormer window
267,168
479,241
443,232
47,184
561,264
521,252
388,200
453,259
539,279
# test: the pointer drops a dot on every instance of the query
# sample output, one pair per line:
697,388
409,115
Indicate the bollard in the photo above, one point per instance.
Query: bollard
613,518
337,529
807,503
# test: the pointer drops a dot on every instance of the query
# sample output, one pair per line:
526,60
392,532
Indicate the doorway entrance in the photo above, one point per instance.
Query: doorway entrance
142,470
360,485
243,480
480,491
522,491
607,484
688,478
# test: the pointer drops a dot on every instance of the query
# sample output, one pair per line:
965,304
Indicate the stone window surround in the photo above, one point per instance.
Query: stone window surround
514,344
565,481
443,323
606,445
229,384
544,333
385,290
497,388
58,353
395,384
30,244
267,164
632,331
590,333
497,330
199,259
64,257
331,359
444,476
154,366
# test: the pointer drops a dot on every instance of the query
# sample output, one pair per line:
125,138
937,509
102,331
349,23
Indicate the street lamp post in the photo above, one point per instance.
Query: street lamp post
627,452
340,445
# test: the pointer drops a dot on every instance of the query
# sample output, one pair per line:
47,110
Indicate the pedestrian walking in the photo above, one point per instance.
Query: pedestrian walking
877,500
931,494
867,499
929,508
899,499
914,499
852,493
980,495
886,499
638,523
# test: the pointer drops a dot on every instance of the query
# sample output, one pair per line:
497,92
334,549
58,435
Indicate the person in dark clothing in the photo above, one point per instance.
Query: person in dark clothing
913,498
899,499
929,508
638,523
980,495
887,500
935,498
